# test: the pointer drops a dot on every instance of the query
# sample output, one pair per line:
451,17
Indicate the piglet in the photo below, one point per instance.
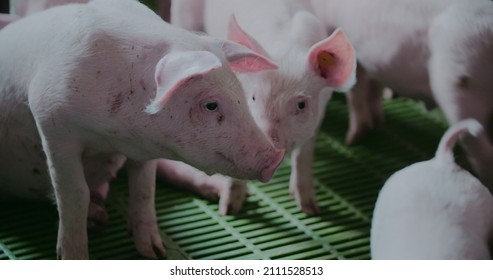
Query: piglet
434,209
439,52
86,87
289,103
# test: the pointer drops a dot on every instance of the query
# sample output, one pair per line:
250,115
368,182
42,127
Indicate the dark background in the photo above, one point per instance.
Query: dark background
4,6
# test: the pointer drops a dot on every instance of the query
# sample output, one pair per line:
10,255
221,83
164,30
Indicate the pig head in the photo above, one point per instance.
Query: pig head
289,103
204,104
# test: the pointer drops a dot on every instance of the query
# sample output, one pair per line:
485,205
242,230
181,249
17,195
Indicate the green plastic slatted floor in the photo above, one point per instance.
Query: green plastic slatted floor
270,226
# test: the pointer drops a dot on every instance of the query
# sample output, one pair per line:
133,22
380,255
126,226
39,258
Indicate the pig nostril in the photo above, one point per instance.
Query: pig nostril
270,169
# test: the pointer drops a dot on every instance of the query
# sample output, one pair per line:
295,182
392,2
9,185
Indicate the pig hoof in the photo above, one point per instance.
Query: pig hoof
97,218
305,199
232,197
71,252
357,133
353,136
208,192
155,250
360,129
152,248
311,208
148,242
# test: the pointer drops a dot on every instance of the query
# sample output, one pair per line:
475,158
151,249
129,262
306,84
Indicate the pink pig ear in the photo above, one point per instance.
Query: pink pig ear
175,70
334,60
238,35
241,59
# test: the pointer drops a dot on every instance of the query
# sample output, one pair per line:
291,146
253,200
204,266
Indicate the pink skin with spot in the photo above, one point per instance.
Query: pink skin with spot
434,209
289,103
437,51
87,87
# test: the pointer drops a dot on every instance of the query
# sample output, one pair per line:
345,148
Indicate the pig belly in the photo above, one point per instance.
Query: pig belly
23,170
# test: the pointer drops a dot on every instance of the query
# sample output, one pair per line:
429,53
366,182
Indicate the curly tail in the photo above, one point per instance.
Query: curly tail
444,152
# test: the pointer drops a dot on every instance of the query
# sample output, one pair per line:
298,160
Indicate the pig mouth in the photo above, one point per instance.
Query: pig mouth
227,159
223,156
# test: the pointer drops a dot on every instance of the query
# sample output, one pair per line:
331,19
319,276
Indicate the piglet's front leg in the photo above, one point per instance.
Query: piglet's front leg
230,192
301,183
142,223
71,193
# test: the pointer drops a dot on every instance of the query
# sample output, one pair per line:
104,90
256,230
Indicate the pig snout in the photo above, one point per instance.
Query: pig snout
272,165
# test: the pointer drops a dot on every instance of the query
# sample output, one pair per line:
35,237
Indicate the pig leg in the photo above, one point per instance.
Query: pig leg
301,183
71,193
163,8
97,217
365,106
231,192
99,171
142,222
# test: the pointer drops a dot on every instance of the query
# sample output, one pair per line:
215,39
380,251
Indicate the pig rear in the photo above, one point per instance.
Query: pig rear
434,209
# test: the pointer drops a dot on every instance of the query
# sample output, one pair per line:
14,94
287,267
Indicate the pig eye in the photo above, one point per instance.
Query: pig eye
301,105
211,106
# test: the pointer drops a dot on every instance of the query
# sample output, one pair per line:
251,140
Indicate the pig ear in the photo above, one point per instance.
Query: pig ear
238,35
241,59
175,70
334,60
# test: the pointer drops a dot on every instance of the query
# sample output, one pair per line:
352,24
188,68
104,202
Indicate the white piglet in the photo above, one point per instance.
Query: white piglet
84,87
434,209
288,103
438,51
